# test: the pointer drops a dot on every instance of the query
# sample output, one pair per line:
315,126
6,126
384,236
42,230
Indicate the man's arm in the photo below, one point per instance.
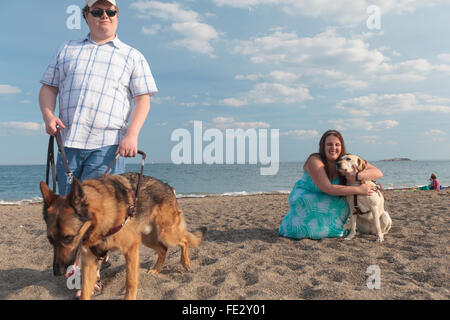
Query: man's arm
129,145
47,102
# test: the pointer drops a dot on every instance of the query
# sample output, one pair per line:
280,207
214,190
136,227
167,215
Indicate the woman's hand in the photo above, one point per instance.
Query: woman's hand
366,189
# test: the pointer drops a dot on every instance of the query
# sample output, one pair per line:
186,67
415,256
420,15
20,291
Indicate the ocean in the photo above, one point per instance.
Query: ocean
20,184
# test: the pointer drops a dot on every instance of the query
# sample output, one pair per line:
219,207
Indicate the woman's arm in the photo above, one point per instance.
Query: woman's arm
370,173
316,169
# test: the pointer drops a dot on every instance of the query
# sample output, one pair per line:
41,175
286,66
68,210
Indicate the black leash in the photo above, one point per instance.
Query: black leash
51,163
51,159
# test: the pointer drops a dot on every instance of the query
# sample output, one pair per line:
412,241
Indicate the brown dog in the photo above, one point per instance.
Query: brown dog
101,214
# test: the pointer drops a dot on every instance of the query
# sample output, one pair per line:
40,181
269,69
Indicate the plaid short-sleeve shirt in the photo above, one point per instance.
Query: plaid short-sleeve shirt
96,86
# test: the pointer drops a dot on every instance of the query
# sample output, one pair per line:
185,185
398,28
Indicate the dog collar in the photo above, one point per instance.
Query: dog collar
130,214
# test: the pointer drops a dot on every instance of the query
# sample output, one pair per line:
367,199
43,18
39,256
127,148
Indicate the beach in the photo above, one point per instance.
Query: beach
243,257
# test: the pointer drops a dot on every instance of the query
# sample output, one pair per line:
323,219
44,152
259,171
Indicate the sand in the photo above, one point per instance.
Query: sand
243,257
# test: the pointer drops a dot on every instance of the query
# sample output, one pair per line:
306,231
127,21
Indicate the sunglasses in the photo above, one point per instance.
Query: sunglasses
99,13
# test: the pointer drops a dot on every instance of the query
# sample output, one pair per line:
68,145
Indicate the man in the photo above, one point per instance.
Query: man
96,79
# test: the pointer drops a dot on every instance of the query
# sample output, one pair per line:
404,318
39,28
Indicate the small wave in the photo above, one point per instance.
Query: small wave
397,187
191,195
24,201
232,194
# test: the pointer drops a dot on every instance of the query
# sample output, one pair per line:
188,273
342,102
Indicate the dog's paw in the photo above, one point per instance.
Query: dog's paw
349,237
153,271
380,239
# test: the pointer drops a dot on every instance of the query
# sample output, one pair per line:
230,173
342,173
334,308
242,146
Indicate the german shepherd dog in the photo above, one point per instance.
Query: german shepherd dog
98,215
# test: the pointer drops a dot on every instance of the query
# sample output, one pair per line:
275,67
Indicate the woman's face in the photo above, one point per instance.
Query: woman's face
332,148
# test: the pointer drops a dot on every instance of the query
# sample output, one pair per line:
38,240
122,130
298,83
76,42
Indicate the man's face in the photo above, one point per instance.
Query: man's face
104,27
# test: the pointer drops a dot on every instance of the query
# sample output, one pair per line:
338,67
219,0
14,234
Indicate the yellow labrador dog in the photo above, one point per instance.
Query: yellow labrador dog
367,212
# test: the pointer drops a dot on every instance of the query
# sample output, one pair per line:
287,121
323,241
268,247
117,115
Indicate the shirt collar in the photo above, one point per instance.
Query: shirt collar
116,42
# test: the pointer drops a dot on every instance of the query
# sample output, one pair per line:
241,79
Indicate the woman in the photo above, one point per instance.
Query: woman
316,209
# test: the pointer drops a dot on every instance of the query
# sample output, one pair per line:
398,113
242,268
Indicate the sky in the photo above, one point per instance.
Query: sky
378,71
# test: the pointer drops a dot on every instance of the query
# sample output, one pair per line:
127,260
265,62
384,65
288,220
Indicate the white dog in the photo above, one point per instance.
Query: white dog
367,212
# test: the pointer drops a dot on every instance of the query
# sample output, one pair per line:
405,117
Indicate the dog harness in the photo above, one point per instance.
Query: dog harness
130,214
355,200
357,209
132,208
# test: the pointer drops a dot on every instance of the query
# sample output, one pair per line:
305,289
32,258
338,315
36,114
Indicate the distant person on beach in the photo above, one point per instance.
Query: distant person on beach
317,208
96,79
435,184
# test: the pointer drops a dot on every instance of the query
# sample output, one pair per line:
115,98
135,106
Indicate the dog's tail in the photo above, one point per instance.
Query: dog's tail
196,237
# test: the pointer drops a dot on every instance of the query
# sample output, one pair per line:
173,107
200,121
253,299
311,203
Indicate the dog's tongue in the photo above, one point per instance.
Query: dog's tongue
71,273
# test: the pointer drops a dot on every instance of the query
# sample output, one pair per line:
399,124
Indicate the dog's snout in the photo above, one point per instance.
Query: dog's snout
58,269
59,266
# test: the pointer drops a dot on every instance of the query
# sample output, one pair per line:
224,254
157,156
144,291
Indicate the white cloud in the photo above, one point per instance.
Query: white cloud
165,11
197,36
152,30
444,57
302,134
352,123
436,132
249,125
222,120
436,135
386,124
388,104
336,79
342,11
160,100
410,70
271,93
233,102
278,76
21,128
230,123
9,89
332,60
361,123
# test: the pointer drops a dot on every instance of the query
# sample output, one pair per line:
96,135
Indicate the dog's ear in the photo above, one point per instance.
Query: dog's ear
362,164
47,194
78,199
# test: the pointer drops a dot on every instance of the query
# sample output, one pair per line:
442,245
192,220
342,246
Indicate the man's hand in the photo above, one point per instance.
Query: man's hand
52,123
128,146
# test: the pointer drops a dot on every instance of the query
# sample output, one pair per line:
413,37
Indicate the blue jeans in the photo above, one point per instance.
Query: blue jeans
87,164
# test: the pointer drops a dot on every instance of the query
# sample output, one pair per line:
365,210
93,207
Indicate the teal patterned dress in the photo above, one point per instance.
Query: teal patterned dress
313,213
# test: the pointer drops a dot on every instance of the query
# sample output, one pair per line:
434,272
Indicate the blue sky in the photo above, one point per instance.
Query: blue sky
293,65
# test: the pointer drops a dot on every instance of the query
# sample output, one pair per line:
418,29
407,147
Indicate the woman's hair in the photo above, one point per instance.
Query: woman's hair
321,153
433,176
